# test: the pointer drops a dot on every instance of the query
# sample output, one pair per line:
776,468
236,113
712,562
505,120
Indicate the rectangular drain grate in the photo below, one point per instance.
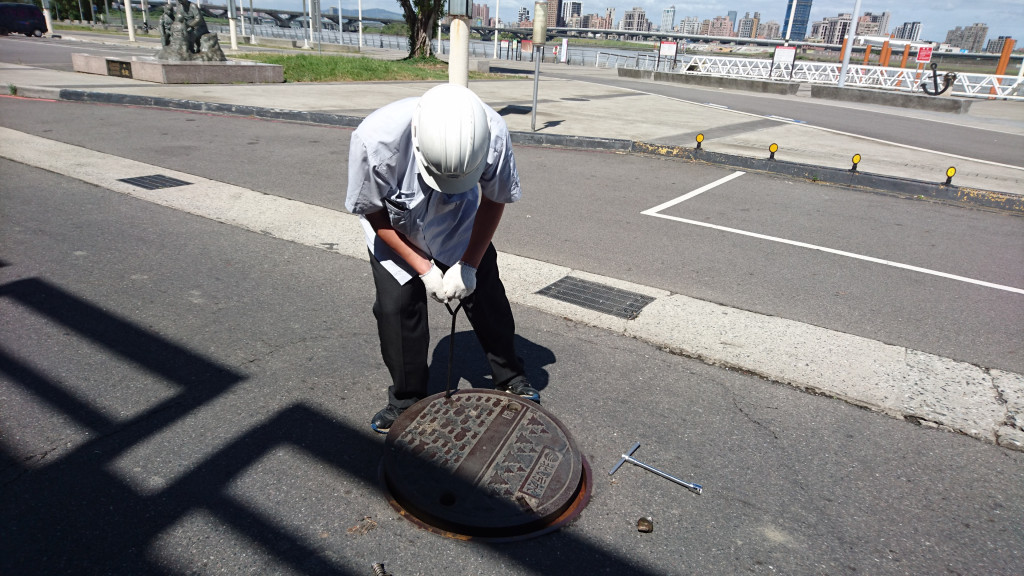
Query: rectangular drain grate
154,182
594,296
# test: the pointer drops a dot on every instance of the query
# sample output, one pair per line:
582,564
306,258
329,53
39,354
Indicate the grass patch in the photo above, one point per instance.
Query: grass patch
330,68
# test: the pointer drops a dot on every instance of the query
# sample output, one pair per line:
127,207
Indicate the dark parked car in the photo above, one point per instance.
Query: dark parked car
21,18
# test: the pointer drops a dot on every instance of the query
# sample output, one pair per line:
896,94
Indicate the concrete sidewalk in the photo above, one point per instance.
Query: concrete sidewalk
904,383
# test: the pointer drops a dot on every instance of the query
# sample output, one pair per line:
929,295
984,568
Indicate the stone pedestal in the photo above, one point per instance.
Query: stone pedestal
165,72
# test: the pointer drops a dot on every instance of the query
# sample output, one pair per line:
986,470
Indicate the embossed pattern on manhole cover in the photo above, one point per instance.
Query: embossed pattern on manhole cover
482,463
599,297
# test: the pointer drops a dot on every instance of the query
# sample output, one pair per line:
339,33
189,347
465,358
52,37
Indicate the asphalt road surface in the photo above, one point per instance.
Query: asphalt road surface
584,210
180,396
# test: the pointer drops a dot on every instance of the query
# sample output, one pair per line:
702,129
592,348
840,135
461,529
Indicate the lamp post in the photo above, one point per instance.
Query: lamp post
789,24
540,33
497,18
849,44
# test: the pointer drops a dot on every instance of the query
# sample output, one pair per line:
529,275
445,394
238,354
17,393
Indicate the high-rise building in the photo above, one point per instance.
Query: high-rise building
832,30
748,25
596,21
635,20
523,15
571,8
995,45
481,14
880,20
732,14
689,25
720,26
668,19
554,13
971,38
800,16
908,31
769,30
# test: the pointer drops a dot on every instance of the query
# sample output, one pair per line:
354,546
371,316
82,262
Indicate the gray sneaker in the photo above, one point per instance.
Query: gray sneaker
520,386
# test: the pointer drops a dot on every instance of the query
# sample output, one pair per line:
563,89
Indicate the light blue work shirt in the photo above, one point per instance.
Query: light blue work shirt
383,174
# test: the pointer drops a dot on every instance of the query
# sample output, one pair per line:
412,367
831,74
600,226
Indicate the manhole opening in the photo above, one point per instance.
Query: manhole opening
484,465
597,297
154,182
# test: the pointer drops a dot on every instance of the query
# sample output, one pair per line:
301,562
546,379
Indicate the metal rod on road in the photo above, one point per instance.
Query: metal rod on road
628,457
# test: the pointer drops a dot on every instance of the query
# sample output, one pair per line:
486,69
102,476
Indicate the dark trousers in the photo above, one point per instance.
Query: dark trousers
402,323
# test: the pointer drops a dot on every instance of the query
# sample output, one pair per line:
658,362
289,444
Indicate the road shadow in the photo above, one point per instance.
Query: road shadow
74,514
471,362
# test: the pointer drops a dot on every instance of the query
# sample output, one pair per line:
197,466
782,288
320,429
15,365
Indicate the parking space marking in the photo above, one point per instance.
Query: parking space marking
656,212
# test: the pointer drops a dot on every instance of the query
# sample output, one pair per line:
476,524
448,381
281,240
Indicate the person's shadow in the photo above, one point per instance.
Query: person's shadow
470,363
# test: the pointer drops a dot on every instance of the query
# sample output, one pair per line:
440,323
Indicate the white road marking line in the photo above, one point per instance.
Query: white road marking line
655,212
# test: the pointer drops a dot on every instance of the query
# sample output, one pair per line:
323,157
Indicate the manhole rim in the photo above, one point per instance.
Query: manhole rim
571,508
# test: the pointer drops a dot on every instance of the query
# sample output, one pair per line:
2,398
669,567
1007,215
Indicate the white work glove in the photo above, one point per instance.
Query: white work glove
433,281
459,281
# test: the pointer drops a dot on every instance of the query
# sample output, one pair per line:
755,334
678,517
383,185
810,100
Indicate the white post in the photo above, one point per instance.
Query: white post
851,35
497,17
128,15
48,19
241,14
458,60
252,24
440,51
310,14
341,28
360,24
232,29
789,25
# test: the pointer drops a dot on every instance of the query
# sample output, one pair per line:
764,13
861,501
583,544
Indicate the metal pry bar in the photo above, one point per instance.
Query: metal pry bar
628,457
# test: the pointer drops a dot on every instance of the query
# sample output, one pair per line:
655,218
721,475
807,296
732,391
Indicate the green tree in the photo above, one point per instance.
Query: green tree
421,16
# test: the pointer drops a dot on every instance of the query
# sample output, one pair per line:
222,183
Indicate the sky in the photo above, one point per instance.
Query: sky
1004,17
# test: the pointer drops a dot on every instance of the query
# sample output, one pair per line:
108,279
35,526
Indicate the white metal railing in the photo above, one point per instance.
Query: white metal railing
902,79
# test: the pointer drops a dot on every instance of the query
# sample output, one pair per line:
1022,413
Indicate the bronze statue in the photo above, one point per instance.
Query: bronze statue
185,35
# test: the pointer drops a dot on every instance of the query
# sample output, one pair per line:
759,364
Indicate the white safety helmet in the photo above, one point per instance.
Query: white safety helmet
450,138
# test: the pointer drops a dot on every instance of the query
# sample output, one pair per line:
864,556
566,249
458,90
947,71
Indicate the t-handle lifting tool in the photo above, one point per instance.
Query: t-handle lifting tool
628,457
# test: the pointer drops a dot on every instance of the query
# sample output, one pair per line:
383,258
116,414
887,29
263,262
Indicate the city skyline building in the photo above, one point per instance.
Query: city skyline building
770,30
800,16
554,13
831,30
971,38
481,14
571,8
668,19
880,22
689,25
908,31
748,25
720,26
523,15
635,20
995,45
733,16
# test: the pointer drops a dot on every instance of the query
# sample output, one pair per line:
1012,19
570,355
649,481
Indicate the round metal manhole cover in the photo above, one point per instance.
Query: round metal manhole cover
484,464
